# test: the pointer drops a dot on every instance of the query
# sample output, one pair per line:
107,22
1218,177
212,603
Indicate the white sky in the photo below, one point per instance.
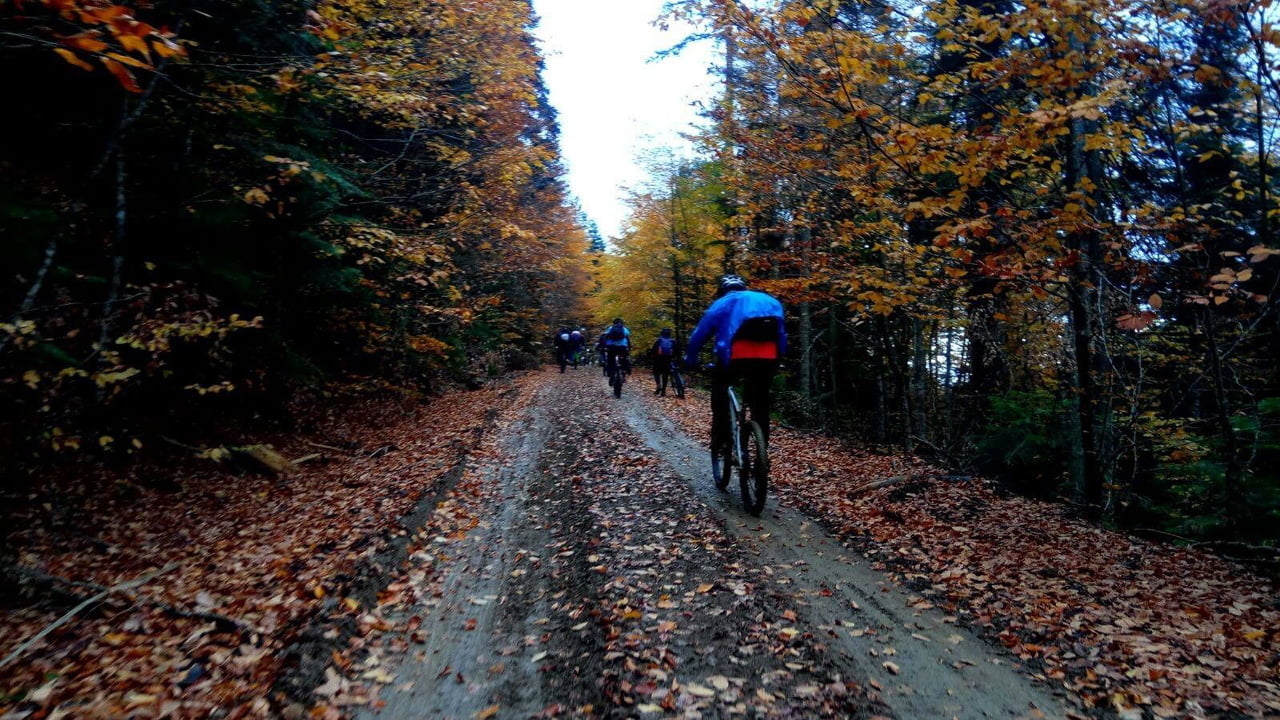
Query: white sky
613,104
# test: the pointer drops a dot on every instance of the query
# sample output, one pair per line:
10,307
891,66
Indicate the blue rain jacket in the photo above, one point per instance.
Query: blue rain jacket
726,315
624,342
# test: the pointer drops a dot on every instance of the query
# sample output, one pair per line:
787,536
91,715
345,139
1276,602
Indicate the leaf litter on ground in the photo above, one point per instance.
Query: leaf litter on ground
1125,624
264,553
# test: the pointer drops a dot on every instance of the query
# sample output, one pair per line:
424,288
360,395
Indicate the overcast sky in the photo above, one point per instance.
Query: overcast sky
613,103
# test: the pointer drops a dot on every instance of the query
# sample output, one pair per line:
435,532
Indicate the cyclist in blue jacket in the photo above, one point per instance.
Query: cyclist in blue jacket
617,346
664,357
750,339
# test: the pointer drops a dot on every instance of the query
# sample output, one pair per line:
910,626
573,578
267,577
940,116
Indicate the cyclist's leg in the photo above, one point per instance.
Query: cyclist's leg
757,387
719,407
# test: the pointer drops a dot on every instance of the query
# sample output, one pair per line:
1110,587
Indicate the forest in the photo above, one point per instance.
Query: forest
279,436
224,205
1029,240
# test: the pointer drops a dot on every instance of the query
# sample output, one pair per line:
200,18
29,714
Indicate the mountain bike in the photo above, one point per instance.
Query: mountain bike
677,381
616,375
748,452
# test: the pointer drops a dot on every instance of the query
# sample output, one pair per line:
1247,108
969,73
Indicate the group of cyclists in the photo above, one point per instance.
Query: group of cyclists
749,336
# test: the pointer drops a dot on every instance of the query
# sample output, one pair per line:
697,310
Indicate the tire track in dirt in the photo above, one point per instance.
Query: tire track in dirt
923,663
591,585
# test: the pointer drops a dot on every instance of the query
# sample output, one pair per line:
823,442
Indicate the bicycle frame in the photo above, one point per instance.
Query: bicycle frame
746,453
737,417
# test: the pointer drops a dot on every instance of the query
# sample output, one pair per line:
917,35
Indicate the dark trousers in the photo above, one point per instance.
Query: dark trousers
617,354
661,373
756,377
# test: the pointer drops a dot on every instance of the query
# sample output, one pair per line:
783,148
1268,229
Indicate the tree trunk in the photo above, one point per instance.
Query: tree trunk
806,352
29,300
117,261
1232,476
919,380
1084,300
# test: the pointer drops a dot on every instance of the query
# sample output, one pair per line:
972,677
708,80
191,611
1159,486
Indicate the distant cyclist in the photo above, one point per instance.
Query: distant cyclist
617,346
602,354
561,342
576,341
750,339
664,354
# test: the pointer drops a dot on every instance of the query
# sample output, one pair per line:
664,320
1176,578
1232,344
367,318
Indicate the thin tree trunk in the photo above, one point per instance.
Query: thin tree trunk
1233,472
29,300
919,381
117,261
806,352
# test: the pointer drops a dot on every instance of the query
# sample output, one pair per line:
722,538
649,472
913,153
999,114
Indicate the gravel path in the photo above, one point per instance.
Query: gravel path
596,572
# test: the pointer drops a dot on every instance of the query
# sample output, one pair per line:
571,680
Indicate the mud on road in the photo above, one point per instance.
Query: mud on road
592,570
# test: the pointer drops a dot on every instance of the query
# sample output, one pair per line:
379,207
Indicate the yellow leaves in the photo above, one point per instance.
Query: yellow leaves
134,44
1259,253
103,379
214,389
257,196
126,60
427,345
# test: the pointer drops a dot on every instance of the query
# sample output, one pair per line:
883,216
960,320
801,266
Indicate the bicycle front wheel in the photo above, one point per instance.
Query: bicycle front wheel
722,458
754,473
721,467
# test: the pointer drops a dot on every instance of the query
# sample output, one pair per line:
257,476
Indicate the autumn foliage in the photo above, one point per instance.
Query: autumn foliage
1029,240
222,203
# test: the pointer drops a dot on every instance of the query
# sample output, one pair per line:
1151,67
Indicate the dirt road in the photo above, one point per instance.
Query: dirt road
597,572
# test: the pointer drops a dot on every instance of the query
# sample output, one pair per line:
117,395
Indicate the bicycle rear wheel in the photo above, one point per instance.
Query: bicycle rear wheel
616,379
754,473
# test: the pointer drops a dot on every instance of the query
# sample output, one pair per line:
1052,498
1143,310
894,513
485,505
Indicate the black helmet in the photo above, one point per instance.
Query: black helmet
730,283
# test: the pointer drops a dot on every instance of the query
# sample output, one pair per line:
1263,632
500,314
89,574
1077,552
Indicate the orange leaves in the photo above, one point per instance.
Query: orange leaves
87,41
1136,321
74,59
115,38
122,75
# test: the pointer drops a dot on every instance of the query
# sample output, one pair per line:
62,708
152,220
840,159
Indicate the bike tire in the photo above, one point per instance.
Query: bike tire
616,381
754,473
722,457
721,468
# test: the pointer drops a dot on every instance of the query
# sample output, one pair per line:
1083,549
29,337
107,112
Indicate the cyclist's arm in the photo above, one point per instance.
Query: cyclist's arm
700,334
